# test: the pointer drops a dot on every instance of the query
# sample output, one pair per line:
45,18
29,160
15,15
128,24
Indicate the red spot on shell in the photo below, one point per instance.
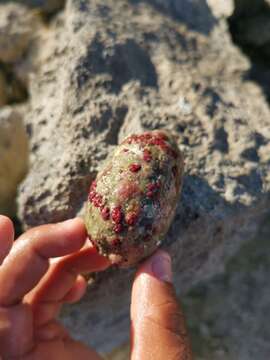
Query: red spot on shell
105,213
97,200
147,156
159,139
150,194
147,238
93,185
162,136
118,228
135,167
117,215
125,150
116,242
91,195
148,136
131,218
152,189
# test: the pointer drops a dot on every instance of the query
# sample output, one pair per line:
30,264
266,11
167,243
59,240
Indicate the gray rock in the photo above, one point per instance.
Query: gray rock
227,316
18,26
13,157
108,69
221,8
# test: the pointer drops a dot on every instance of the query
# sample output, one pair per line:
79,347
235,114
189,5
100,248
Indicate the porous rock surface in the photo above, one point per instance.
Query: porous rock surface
111,68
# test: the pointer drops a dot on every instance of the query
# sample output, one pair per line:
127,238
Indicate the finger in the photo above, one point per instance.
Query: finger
158,327
45,312
6,236
16,330
61,349
86,261
77,350
46,298
51,331
60,278
77,291
28,260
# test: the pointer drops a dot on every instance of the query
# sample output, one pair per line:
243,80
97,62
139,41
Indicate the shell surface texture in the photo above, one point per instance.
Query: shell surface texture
132,201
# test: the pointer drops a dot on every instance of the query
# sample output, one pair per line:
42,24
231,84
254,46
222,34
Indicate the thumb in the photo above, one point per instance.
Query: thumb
158,328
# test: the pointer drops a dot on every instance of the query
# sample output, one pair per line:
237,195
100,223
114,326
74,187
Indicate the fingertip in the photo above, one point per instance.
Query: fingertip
7,226
77,291
66,237
86,260
6,236
54,240
151,279
158,265
75,228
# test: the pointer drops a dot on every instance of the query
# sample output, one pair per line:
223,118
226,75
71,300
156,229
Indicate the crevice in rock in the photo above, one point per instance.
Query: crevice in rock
250,29
185,11
17,226
48,8
15,90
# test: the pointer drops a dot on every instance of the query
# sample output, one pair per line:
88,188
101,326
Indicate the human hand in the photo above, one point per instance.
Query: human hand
33,288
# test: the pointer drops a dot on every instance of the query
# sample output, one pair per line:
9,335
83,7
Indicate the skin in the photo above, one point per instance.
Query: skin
41,271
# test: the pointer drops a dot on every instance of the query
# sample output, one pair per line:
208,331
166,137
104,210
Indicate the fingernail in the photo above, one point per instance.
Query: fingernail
162,267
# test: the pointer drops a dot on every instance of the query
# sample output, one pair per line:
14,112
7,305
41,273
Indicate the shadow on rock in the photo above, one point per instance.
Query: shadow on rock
195,15
250,29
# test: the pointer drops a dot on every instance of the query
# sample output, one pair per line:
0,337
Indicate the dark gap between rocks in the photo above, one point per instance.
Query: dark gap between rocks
15,89
48,8
248,26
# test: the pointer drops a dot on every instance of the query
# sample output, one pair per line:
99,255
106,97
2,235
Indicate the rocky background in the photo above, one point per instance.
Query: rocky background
78,76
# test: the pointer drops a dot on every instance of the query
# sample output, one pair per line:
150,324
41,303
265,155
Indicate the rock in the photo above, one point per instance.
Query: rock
18,27
195,14
108,69
226,316
13,157
221,8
